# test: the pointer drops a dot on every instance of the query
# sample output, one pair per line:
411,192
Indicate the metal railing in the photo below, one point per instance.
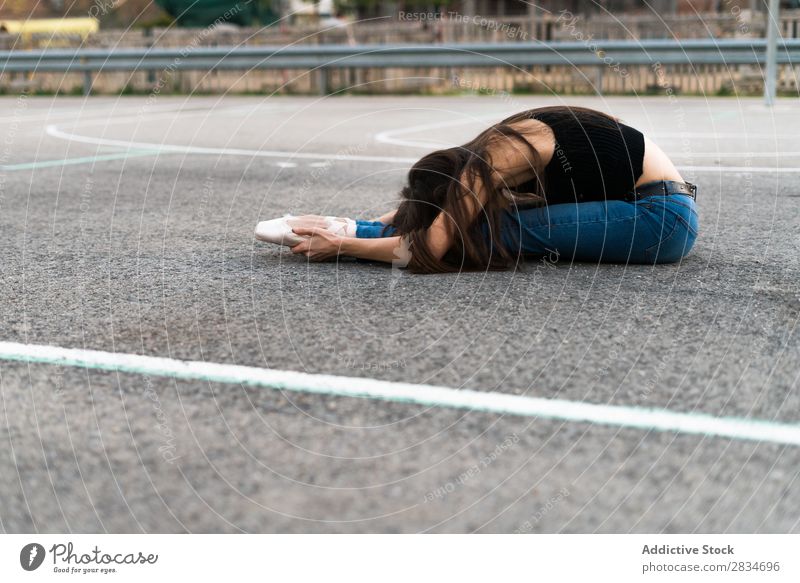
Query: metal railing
323,58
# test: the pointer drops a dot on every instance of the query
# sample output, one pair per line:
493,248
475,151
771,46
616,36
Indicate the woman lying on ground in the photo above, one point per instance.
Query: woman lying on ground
559,181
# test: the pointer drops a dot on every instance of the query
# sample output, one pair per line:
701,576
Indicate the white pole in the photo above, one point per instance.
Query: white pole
770,79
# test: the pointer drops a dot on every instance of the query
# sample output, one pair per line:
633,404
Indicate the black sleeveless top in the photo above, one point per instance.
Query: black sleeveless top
595,158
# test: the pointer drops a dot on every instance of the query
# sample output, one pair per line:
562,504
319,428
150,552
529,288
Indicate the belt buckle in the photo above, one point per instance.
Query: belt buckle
692,190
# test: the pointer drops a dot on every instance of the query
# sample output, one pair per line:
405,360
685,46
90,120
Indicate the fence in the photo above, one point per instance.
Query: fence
702,66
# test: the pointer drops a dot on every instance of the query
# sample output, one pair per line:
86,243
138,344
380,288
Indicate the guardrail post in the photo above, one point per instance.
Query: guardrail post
323,80
771,74
88,80
151,74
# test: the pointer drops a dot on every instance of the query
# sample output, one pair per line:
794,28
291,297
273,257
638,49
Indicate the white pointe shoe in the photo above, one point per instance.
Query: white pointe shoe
279,231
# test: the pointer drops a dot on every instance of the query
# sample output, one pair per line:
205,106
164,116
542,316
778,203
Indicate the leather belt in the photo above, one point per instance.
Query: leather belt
663,188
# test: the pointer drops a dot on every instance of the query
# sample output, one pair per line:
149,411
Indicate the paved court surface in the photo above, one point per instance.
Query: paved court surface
127,226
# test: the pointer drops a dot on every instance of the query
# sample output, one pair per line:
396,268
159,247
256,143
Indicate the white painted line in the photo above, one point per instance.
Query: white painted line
426,395
741,169
87,115
286,164
54,131
390,136
717,135
75,161
745,155
147,115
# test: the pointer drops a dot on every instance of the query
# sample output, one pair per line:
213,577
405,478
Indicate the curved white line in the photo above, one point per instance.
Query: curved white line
388,136
54,131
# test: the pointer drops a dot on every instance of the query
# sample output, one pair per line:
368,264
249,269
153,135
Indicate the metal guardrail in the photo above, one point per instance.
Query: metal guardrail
324,57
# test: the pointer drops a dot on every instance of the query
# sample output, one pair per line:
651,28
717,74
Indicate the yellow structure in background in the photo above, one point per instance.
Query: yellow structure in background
44,32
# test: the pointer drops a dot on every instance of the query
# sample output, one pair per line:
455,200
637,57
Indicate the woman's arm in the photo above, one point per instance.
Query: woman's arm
392,250
322,245
511,166
388,217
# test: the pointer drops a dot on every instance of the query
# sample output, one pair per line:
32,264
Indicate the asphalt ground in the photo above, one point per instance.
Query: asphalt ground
142,242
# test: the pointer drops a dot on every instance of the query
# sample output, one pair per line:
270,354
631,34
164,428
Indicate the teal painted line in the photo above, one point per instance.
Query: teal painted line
700,424
724,114
75,161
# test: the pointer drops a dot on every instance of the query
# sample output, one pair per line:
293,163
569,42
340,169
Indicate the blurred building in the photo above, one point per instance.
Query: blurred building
110,13
26,9
301,9
143,13
82,27
370,8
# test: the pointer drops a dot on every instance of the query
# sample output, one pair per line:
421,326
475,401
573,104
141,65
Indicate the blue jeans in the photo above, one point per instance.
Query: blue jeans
655,229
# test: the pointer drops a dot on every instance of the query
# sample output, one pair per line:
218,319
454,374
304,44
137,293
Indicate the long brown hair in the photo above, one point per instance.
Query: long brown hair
435,186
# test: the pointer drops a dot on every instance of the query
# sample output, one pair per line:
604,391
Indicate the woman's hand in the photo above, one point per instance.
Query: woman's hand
321,244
